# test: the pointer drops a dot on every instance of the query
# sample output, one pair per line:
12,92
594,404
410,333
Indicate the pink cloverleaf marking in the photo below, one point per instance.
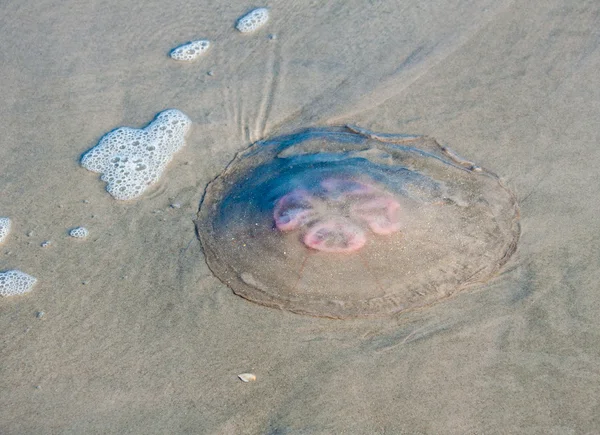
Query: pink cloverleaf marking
381,213
323,215
293,210
335,235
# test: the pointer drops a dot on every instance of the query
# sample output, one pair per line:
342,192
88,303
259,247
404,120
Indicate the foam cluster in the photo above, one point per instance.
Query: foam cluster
132,159
4,228
79,233
190,51
253,20
15,282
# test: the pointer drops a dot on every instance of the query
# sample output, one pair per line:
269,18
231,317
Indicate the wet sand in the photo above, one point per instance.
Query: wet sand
138,336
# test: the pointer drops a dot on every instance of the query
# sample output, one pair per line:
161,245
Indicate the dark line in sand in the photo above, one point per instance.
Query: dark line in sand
301,271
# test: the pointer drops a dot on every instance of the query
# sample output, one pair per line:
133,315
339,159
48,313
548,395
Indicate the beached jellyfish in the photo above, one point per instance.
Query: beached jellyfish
344,223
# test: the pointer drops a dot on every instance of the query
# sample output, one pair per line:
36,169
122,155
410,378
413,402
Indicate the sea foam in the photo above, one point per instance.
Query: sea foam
190,51
15,282
253,20
4,228
132,159
79,233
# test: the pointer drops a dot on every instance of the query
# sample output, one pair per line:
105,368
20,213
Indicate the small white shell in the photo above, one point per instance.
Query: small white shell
253,20
190,51
247,377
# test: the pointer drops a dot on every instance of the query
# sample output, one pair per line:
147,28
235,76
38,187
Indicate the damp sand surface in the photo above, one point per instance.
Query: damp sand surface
136,334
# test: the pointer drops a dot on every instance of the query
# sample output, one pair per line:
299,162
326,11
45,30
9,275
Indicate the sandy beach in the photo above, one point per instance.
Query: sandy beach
138,336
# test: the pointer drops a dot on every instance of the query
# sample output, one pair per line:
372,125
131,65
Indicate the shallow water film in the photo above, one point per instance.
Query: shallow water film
347,223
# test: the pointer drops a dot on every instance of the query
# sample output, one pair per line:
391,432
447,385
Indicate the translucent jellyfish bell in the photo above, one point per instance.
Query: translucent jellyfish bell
347,223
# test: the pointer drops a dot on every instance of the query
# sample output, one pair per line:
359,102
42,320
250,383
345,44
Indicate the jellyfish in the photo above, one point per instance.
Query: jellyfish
343,223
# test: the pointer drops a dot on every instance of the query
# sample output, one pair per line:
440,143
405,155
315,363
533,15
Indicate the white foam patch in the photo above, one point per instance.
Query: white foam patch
132,159
15,282
4,228
190,51
253,20
79,233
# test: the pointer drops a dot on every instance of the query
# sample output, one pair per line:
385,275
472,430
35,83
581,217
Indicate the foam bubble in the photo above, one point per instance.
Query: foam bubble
79,233
4,228
253,20
190,51
132,159
15,282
